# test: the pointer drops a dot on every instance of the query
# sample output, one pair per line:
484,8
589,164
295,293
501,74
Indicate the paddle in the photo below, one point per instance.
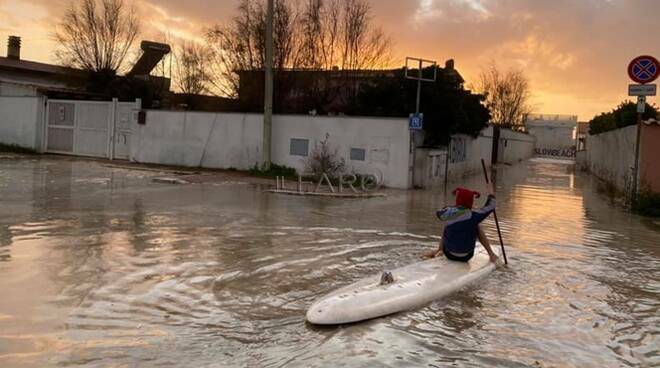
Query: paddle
497,223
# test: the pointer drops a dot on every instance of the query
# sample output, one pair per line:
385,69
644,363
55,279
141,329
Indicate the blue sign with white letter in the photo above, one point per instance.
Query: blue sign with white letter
416,121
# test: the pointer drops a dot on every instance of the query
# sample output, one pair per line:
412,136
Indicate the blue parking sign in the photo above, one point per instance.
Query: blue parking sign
416,121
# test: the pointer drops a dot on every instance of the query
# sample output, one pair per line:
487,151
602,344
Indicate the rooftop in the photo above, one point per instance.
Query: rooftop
552,117
33,66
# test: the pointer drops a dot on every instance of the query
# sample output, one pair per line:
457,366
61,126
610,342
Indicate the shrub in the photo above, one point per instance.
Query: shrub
325,160
624,115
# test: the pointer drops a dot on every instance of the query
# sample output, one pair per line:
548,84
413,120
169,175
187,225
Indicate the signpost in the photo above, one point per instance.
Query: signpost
641,105
643,70
416,120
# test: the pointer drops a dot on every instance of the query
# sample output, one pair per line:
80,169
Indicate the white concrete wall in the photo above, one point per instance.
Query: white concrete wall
430,163
385,141
8,89
227,140
198,139
554,136
611,156
21,121
475,150
515,146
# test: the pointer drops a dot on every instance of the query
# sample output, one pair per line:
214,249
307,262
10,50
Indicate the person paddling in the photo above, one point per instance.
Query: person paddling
462,228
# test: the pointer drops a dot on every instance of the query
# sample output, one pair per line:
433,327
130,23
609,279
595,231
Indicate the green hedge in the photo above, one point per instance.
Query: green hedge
275,170
625,114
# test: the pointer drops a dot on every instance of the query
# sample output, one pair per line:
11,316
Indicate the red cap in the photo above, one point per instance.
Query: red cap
465,197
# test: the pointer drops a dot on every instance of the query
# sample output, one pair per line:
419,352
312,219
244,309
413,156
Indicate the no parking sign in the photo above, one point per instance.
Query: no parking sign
644,69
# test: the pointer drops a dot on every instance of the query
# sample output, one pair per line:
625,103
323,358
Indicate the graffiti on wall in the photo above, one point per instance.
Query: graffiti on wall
458,147
556,152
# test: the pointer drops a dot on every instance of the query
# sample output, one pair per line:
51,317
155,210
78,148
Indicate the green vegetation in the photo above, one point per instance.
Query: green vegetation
275,170
647,204
16,149
624,115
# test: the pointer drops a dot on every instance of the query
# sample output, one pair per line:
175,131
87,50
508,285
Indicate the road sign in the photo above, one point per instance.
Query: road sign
642,89
641,104
416,121
644,69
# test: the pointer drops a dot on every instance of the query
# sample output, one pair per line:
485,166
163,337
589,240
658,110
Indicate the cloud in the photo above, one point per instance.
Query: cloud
575,52
566,47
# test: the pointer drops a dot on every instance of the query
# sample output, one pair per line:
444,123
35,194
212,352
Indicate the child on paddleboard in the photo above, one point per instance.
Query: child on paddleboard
462,228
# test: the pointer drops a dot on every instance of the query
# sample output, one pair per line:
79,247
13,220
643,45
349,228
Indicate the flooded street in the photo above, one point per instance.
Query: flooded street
100,266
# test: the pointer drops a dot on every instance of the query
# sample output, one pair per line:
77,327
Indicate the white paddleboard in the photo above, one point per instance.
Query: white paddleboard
414,285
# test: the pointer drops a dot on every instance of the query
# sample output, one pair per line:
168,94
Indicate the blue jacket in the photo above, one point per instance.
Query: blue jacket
460,235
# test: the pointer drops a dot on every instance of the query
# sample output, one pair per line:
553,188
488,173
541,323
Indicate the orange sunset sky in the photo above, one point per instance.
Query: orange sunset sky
575,52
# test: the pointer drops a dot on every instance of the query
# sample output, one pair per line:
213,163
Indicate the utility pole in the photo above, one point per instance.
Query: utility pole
641,104
268,88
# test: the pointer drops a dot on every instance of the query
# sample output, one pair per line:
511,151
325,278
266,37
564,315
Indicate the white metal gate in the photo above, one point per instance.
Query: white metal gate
89,128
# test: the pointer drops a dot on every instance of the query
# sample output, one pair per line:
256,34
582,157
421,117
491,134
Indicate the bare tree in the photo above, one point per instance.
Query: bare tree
240,45
96,35
341,33
319,35
507,96
364,47
325,159
191,71
312,35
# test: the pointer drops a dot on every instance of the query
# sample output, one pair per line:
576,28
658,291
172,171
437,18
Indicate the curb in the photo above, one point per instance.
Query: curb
331,195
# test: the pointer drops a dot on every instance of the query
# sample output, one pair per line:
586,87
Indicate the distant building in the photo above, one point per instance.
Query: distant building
555,134
303,91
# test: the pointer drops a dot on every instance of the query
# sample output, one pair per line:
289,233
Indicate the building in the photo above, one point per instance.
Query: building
303,91
24,78
555,134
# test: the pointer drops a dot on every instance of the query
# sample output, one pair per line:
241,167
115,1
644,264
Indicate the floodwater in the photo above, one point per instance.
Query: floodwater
101,267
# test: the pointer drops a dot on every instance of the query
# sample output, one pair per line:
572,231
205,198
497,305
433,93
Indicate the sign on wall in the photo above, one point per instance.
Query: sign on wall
416,121
556,152
458,148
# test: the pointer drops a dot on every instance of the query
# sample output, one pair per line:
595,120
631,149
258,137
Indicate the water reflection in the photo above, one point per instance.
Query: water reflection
107,268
